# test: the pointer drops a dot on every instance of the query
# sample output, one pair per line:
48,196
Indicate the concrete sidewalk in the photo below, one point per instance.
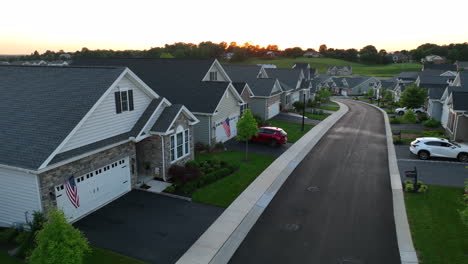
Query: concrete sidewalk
223,237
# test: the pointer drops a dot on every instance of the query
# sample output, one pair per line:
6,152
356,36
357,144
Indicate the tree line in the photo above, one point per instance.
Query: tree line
368,54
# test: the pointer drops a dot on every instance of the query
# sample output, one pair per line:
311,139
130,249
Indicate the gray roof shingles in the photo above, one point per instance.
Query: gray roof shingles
460,101
40,106
287,77
179,80
166,118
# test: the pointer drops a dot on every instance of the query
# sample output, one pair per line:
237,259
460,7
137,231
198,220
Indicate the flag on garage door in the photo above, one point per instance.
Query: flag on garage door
227,127
72,192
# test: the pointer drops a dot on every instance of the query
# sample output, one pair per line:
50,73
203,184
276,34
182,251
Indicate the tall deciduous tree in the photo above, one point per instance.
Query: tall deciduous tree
59,242
413,97
247,127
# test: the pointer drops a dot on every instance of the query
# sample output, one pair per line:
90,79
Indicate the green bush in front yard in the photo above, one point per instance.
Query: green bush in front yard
432,123
434,133
395,120
409,117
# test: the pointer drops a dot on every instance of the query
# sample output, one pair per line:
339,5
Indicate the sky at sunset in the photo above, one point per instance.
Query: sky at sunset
141,24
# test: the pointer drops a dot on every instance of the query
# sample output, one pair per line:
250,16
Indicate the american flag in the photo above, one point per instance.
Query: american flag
72,192
227,127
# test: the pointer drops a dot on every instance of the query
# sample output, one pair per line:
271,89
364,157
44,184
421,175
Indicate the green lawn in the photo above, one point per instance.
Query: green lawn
439,235
223,192
294,130
99,256
358,68
317,117
329,108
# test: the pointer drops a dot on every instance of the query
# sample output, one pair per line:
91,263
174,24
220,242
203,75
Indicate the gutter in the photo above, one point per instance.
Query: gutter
2,166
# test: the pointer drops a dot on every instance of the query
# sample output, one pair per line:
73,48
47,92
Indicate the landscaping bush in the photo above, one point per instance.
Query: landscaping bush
311,104
59,242
26,240
192,164
189,187
199,147
397,141
409,187
423,188
434,133
260,121
184,174
9,235
170,189
432,123
422,117
299,106
409,117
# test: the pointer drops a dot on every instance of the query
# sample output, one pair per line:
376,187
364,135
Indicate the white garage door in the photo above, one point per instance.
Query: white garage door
273,110
225,132
95,189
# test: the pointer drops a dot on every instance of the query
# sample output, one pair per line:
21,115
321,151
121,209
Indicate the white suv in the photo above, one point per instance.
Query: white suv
402,111
426,147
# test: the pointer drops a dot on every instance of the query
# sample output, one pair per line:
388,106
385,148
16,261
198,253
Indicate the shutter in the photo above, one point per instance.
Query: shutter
130,99
118,105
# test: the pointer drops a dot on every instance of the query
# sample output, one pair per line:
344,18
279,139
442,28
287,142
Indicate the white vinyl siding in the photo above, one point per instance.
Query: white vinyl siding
19,197
104,122
215,70
228,107
201,130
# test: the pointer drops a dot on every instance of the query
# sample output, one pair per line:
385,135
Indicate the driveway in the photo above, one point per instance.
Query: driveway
292,118
336,206
257,148
147,226
437,171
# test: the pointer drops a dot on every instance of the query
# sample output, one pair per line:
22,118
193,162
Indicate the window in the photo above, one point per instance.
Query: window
180,144
243,107
213,76
123,101
433,143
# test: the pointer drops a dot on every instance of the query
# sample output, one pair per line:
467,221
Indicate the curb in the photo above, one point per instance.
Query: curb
405,242
221,240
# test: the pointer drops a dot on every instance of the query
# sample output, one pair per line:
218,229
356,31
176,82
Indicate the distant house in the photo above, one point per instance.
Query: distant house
312,54
408,77
399,57
272,53
457,120
340,70
430,81
461,65
228,55
461,79
261,93
435,59
290,80
65,56
349,86
305,67
440,67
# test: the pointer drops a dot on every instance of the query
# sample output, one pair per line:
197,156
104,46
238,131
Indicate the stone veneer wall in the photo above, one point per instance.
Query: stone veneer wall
149,150
49,179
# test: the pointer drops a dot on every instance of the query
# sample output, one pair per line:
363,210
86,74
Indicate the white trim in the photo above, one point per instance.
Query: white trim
220,68
39,199
200,113
146,88
183,108
236,94
251,94
8,167
78,157
82,121
164,100
176,146
163,158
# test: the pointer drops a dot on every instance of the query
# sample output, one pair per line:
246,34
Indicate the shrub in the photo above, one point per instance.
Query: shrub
432,123
409,117
201,147
464,216
26,240
59,241
192,164
408,182
183,174
219,145
299,106
311,104
260,121
9,235
422,117
409,187
397,141
423,188
189,187
434,133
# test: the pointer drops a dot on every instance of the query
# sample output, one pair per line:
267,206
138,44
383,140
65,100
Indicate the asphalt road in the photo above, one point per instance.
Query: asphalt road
336,207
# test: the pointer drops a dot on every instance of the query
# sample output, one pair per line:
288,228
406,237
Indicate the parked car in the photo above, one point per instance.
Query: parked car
427,147
272,135
402,111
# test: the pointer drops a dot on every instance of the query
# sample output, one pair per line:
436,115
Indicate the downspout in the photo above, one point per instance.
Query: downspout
163,158
210,126
456,128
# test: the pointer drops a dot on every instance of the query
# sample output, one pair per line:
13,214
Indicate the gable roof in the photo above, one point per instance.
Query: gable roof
179,80
388,84
435,93
408,75
460,101
239,86
288,78
41,105
427,80
166,118
445,67
242,73
262,86
300,65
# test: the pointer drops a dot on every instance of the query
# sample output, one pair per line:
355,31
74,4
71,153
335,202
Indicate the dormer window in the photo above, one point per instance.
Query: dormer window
123,101
213,76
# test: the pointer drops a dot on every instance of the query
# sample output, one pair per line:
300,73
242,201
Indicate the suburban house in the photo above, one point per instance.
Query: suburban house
443,67
457,120
312,54
340,70
398,57
202,86
430,81
290,80
461,65
390,85
461,79
408,77
309,73
87,136
262,94
443,117
435,59
349,86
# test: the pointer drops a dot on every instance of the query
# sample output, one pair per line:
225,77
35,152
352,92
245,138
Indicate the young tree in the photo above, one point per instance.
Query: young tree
246,129
323,96
59,242
413,97
370,92
387,96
